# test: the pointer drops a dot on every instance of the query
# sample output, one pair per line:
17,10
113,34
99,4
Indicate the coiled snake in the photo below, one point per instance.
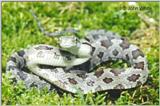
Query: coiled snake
69,67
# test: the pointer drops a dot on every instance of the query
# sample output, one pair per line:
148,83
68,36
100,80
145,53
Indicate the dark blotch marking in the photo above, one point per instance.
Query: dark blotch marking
100,55
93,49
125,44
13,59
119,86
106,43
46,67
115,52
133,77
99,72
117,72
107,80
139,65
83,76
68,57
21,53
72,81
137,53
90,83
84,66
127,56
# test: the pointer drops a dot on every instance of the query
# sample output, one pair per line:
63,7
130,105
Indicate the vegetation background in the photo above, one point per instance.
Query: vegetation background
139,26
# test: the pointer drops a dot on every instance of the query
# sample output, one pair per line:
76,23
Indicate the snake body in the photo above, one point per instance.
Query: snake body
41,63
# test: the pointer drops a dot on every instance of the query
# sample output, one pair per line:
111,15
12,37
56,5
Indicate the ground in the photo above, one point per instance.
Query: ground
19,30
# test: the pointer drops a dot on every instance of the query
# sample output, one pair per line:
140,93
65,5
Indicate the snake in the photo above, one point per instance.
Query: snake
71,66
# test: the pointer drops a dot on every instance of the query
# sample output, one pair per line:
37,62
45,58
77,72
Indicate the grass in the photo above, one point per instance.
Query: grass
19,30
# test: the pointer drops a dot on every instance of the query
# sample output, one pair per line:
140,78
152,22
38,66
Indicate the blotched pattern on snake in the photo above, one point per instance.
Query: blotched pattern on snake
70,67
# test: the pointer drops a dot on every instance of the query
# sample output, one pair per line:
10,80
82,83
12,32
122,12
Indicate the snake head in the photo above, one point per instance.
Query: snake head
68,42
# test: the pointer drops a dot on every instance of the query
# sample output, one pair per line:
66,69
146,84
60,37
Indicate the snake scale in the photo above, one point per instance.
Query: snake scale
71,67
49,63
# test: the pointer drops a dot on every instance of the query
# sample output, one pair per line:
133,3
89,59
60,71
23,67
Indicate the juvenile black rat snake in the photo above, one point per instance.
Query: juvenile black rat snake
63,66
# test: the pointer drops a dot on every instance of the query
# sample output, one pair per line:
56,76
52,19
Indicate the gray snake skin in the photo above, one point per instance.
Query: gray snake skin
77,75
